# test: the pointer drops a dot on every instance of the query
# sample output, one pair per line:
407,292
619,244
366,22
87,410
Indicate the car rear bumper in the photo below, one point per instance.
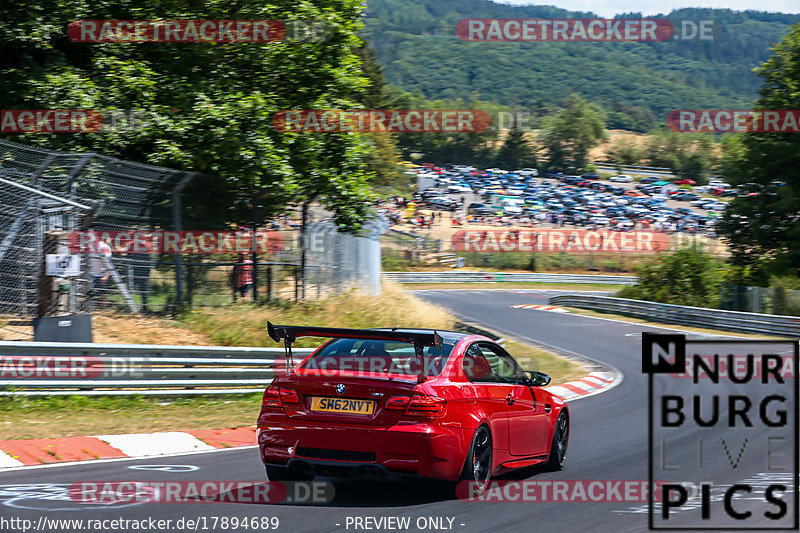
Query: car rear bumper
421,449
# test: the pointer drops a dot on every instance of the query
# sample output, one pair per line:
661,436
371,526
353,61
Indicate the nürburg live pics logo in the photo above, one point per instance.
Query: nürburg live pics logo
722,433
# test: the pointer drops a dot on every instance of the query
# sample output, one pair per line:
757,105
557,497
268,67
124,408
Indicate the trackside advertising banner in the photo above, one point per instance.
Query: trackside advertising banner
557,240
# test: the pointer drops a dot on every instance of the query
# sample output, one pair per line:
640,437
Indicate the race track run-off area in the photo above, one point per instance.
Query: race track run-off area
608,443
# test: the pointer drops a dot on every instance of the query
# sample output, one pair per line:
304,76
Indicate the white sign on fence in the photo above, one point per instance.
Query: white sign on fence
63,265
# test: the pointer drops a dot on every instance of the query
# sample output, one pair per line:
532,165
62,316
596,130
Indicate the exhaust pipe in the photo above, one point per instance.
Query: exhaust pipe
302,467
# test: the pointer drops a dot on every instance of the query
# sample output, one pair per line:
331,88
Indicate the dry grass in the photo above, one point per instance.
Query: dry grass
120,329
141,330
559,369
246,325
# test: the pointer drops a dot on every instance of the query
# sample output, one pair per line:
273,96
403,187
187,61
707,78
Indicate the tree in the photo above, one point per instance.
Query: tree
573,132
686,277
210,107
689,155
764,223
516,151
383,159
626,151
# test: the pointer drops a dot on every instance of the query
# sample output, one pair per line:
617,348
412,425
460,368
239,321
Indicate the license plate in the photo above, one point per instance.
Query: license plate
342,405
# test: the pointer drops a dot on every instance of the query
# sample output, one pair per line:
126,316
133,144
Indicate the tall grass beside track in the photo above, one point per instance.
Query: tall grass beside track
246,325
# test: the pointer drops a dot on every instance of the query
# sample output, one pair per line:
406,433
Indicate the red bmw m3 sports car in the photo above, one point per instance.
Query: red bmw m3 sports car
382,403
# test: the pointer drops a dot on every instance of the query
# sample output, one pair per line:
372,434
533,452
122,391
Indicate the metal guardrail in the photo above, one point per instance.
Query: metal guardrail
639,169
779,325
51,368
501,277
634,167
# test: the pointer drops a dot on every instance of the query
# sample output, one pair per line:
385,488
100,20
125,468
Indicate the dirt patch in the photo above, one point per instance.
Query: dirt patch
142,330
118,329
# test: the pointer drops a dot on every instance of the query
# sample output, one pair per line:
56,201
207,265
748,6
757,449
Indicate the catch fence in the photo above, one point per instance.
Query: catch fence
51,197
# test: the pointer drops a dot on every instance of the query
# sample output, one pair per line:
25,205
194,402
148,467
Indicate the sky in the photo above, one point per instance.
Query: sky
609,8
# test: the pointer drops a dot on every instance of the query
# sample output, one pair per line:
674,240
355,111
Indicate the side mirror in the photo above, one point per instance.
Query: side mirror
539,379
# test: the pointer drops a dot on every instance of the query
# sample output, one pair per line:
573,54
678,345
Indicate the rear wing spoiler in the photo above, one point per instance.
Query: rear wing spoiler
290,333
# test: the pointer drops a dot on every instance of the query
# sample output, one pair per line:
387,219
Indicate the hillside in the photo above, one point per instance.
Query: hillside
415,42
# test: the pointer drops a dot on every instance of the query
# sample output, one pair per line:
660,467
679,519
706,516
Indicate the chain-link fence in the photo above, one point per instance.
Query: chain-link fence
770,300
46,195
51,200
336,261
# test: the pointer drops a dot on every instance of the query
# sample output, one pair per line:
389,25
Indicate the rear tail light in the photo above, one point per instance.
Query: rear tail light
418,405
289,396
272,397
425,405
397,403
276,396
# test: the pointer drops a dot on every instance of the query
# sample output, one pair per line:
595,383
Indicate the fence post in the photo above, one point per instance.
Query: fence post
296,284
304,221
46,301
177,226
254,252
189,284
269,283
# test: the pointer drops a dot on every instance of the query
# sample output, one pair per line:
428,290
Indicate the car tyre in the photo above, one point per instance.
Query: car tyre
558,448
478,466
281,473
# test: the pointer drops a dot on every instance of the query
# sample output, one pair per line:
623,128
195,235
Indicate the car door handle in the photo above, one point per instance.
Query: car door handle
547,408
510,399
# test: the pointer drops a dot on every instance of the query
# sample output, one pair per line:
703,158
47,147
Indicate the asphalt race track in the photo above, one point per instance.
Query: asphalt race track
608,441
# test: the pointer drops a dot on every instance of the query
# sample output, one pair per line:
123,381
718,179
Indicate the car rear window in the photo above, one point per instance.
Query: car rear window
378,356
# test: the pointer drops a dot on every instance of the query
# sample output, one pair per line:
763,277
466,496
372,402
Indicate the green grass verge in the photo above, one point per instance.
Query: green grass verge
25,417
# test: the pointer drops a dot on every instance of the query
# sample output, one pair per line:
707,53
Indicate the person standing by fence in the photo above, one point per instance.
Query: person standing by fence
242,276
100,280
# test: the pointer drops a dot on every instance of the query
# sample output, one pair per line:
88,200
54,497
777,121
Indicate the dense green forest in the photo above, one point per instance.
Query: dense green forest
637,83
